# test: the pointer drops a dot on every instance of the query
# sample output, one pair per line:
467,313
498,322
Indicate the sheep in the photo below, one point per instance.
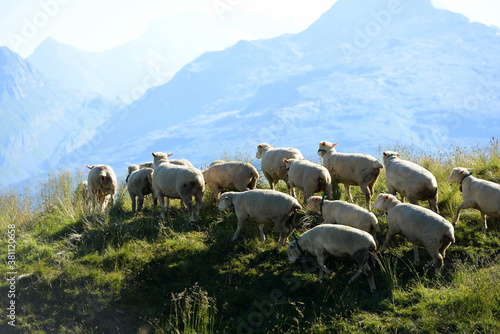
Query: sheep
476,193
102,186
351,169
177,181
262,205
339,241
139,183
239,176
309,177
184,162
418,225
343,213
272,164
410,180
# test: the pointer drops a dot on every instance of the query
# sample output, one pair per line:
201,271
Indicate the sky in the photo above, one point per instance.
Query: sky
98,25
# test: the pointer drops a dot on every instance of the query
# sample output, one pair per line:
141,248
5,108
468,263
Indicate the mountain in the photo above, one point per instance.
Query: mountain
41,122
368,74
125,72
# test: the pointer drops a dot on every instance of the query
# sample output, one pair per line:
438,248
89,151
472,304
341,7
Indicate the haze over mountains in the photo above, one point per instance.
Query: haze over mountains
367,74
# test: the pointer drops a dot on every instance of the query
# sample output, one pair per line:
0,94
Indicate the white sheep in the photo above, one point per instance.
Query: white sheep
418,225
411,180
339,241
182,162
351,169
263,206
476,193
139,183
101,186
239,176
343,213
309,177
177,181
272,164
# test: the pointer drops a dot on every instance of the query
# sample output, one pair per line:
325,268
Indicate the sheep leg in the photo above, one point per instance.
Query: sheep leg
199,204
140,202
463,205
162,206
186,199
485,226
241,221
348,191
368,196
361,258
322,267
132,198
416,258
269,179
388,238
261,230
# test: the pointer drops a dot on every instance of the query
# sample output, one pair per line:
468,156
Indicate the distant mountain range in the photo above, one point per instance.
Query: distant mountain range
41,122
365,74
368,74
124,73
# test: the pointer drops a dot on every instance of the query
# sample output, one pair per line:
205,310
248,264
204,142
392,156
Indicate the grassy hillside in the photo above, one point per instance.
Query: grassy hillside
124,273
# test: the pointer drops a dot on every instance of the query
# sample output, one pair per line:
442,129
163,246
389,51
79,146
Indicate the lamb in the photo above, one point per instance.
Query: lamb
239,176
343,213
418,225
177,181
476,193
410,180
102,186
339,241
139,183
272,164
351,169
262,205
308,177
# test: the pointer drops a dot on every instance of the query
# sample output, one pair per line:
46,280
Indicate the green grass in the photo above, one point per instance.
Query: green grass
120,272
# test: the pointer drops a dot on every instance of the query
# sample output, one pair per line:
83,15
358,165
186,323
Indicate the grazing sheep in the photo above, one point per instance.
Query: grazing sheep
177,181
308,177
477,194
239,176
410,180
343,213
262,205
418,225
139,184
272,164
339,241
351,169
102,186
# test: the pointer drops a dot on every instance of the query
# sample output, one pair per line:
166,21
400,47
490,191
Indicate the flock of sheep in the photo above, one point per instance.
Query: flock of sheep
346,230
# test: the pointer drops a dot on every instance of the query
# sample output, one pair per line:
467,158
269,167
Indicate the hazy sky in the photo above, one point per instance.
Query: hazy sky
97,25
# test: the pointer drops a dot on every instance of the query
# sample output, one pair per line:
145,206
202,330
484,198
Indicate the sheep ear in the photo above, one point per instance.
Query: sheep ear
89,167
317,199
259,146
462,172
386,196
323,143
285,160
385,154
169,154
154,154
335,144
